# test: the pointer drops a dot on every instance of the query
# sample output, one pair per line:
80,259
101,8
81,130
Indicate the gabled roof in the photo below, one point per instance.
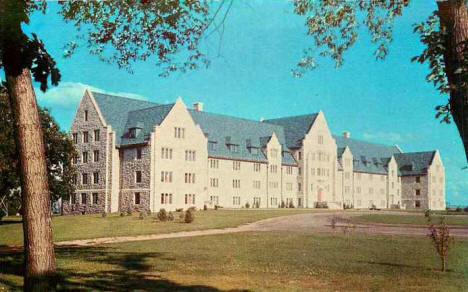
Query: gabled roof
144,119
250,136
295,128
367,157
414,163
115,110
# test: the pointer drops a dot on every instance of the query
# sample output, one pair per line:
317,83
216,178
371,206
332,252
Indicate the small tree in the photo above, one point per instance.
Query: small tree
247,205
283,205
441,240
189,216
162,215
291,204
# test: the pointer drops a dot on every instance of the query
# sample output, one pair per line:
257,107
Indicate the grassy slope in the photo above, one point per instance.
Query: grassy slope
94,226
261,261
410,219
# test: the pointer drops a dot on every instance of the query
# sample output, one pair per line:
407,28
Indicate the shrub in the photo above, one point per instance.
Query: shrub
441,240
170,217
142,215
193,209
466,209
122,214
459,209
182,216
427,214
130,212
291,204
321,205
104,214
205,207
247,205
283,205
162,215
216,207
2,214
348,206
257,204
189,216
179,210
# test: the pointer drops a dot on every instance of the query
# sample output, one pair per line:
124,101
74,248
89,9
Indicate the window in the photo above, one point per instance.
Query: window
417,204
166,176
273,168
75,179
85,157
83,198
320,139
95,199
136,199
85,178
234,148
74,198
97,137
418,192
189,178
214,163
75,138
256,202
236,200
236,165
166,153
86,115
236,183
299,187
166,198
299,155
75,159
213,182
289,169
418,179
179,133
256,184
253,150
138,153
96,155
273,201
358,176
96,177
138,176
85,137
214,200
212,145
190,155
189,199
256,167
299,171
273,184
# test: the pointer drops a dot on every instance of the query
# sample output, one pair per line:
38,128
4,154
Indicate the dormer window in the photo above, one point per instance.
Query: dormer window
234,148
253,150
212,145
134,132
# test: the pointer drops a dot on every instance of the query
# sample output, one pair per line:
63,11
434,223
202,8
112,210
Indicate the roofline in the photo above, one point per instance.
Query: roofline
288,117
236,159
93,99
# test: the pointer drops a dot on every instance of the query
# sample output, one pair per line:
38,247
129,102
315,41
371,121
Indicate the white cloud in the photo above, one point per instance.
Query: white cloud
387,137
68,94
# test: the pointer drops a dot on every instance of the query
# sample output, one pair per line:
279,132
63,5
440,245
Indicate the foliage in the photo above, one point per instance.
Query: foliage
205,208
126,32
334,27
291,204
170,216
283,205
189,216
142,215
348,206
216,207
162,215
458,209
2,214
466,209
104,214
123,214
321,205
441,240
247,205
59,153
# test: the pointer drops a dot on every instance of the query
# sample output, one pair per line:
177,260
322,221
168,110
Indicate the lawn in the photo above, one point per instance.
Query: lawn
411,219
94,226
256,261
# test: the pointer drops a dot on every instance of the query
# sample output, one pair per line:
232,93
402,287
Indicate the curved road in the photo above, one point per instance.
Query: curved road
309,222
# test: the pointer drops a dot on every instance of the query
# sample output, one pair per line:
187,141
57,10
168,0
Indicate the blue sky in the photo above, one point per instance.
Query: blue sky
250,77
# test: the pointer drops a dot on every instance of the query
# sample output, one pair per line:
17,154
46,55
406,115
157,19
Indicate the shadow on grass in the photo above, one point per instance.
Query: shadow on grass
127,271
10,221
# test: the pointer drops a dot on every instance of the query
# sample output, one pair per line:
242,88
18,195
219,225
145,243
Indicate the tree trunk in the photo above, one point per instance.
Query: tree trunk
443,264
37,225
454,20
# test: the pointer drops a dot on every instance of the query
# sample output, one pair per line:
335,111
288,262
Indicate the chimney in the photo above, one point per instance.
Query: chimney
346,134
198,106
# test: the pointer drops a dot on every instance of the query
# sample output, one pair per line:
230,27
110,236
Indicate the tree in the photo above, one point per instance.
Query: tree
334,27
121,32
441,240
59,152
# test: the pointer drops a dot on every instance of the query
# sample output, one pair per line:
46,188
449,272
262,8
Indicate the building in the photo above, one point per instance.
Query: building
140,155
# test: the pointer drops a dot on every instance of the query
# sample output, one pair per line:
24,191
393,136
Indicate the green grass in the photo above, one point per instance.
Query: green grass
257,261
94,226
411,219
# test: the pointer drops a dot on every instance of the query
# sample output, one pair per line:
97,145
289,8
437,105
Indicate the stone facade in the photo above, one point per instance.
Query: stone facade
173,164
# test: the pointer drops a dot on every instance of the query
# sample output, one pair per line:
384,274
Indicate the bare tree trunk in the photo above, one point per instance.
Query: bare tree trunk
454,20
443,264
37,225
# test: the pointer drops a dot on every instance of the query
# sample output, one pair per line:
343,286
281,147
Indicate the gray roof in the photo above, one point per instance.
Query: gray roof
295,128
415,163
367,157
115,110
251,136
